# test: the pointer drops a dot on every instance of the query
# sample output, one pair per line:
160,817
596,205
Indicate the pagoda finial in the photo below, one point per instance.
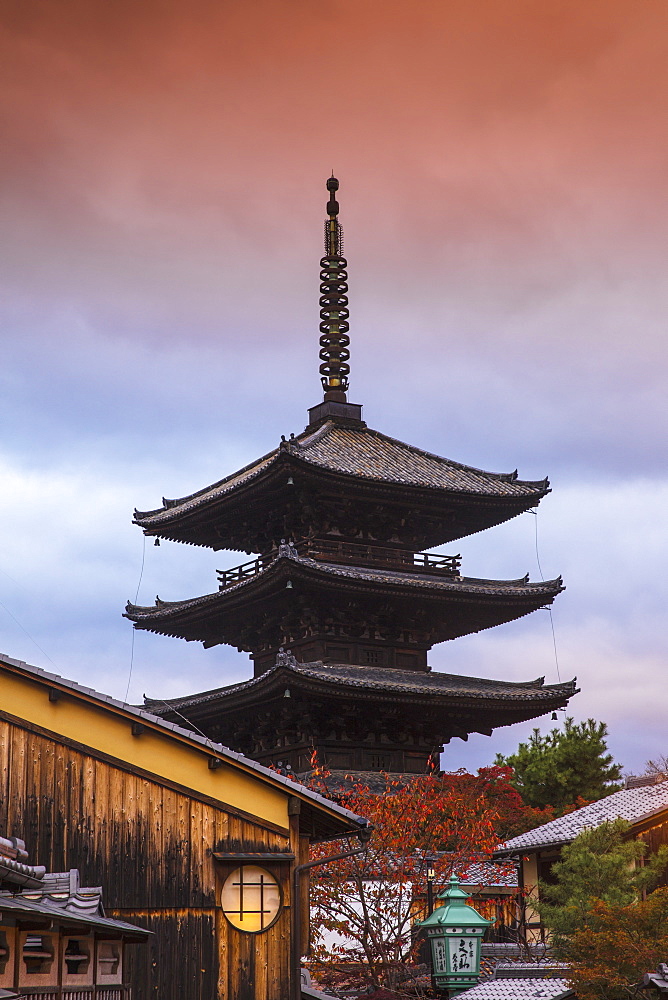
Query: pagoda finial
334,326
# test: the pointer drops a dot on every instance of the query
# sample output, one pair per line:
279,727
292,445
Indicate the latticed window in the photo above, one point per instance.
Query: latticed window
251,898
374,656
38,952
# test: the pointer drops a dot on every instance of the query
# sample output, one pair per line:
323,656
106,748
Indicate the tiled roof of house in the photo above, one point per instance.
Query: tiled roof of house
531,970
63,889
487,873
520,989
657,980
632,804
20,907
19,873
365,454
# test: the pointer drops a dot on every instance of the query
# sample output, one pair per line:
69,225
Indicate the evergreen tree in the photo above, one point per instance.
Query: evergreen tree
600,864
565,767
598,921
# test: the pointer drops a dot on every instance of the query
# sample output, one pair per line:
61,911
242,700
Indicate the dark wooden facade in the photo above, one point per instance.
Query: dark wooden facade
161,850
151,847
55,941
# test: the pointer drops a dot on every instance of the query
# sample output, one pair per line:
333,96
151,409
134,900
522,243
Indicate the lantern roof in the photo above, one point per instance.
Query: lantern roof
456,912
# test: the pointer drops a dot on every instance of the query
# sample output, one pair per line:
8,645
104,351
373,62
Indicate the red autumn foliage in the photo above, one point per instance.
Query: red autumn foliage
362,906
513,816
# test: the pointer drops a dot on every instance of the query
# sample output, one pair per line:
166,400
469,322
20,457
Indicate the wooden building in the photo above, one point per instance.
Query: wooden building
55,941
645,807
188,839
342,604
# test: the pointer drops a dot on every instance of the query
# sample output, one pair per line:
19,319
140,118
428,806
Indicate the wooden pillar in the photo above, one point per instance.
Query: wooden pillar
294,807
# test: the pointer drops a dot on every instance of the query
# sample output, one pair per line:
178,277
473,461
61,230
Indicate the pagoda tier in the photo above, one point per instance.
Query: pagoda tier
340,517
383,612
342,480
357,718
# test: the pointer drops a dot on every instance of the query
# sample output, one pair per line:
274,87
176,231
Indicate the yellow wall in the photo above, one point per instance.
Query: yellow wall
109,730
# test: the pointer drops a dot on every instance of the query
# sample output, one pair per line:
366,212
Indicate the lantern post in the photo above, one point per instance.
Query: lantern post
455,933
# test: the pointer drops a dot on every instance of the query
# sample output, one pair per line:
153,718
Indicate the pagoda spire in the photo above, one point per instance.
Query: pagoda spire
334,326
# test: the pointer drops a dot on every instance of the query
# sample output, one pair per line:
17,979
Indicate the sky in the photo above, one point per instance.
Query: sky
162,193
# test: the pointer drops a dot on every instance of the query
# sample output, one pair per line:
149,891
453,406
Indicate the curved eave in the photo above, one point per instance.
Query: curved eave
188,619
187,518
241,476
306,442
463,692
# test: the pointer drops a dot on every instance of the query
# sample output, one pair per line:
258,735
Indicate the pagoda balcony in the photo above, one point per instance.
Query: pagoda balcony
350,553
357,553
228,577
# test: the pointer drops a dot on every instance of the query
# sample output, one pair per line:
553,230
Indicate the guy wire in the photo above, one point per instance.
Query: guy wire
14,618
548,609
191,725
132,646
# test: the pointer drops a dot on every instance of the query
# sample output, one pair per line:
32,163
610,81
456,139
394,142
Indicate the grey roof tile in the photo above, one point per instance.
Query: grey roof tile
632,804
371,455
531,970
20,873
520,989
422,581
487,873
388,679
17,906
365,454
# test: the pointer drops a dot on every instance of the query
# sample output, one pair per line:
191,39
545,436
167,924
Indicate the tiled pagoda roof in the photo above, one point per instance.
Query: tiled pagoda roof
428,686
366,455
372,455
482,603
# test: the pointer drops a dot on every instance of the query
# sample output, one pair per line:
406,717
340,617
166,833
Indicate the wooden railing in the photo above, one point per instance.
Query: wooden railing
108,992
228,577
351,554
357,553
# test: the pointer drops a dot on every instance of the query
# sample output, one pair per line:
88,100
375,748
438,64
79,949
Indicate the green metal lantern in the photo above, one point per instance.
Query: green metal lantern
455,931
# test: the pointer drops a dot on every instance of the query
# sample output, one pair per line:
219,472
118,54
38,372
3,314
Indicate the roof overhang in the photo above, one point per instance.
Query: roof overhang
454,607
137,739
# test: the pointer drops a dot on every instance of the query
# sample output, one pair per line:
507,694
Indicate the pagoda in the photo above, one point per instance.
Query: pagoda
341,603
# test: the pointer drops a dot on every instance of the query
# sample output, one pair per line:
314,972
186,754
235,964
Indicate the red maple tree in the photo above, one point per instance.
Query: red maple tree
363,907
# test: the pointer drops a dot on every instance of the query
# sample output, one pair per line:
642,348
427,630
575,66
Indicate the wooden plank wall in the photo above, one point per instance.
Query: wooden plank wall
150,848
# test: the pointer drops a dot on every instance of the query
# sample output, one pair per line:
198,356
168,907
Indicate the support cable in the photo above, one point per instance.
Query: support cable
548,609
132,647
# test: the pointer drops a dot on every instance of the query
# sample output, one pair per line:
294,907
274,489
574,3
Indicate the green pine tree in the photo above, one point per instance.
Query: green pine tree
601,866
564,766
